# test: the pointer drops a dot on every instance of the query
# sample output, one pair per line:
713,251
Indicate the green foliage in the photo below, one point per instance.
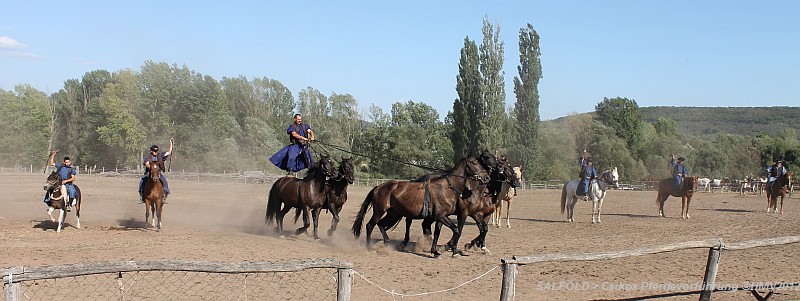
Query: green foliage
706,122
468,108
622,115
25,134
492,125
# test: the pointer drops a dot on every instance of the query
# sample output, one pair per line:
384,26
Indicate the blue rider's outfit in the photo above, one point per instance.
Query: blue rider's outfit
295,156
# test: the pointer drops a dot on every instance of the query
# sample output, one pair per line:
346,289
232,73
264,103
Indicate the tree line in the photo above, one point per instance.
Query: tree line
233,124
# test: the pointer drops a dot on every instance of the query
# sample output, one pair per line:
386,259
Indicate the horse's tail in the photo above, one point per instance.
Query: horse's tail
564,197
363,211
273,205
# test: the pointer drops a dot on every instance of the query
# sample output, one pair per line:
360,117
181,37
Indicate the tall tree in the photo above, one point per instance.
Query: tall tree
526,108
622,115
494,95
468,108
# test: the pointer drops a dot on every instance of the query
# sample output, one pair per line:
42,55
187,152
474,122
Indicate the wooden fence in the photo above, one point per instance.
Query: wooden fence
508,291
18,280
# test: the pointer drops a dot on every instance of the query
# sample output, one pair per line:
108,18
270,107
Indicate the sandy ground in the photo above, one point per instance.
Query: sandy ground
225,222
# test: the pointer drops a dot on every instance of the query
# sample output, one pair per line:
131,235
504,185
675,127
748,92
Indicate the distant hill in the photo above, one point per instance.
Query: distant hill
708,121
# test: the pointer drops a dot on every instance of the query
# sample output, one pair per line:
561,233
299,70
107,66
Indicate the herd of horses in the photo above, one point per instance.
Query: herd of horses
475,188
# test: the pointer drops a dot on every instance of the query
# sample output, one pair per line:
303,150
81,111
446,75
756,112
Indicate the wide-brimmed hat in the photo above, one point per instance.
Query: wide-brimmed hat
681,159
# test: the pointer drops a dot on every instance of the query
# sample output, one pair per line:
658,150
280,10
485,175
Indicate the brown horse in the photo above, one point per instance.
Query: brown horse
58,200
398,199
666,189
779,188
337,191
308,193
153,192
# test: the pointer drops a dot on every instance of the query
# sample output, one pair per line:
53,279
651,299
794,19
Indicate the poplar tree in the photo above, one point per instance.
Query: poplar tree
526,108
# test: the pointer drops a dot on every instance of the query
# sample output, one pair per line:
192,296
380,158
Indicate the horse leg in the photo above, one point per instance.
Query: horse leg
306,222
159,208
781,212
335,220
50,213
408,229
571,210
426,227
436,232
389,220
456,230
279,218
686,211
146,213
62,213
508,213
599,208
78,210
153,213
660,200
315,218
497,216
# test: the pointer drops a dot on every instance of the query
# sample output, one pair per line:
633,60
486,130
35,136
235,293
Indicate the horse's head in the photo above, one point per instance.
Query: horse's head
473,169
325,166
346,170
517,176
53,180
490,162
155,172
612,177
690,184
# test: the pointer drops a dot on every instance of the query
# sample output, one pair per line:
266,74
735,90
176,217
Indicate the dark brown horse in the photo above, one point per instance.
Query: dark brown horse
308,193
779,188
479,204
398,199
59,198
666,188
337,191
153,192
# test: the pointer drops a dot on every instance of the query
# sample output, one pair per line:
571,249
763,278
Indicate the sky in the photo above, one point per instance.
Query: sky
659,53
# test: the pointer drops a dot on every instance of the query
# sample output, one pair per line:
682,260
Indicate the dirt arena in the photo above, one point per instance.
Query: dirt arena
225,222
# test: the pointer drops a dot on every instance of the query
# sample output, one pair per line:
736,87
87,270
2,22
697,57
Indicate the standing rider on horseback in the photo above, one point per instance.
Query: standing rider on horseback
295,156
154,157
679,171
775,171
67,174
587,174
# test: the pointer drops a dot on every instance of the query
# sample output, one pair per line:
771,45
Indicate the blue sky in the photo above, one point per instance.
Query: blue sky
660,53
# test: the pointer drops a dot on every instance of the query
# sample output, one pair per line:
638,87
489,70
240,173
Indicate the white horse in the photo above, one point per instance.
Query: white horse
597,192
704,184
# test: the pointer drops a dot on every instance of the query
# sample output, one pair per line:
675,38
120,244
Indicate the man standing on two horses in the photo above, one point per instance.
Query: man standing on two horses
587,174
295,156
775,171
679,171
154,157
67,174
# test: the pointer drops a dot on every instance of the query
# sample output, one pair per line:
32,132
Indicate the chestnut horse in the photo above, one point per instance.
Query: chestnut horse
308,193
506,195
58,200
779,188
153,192
398,199
666,188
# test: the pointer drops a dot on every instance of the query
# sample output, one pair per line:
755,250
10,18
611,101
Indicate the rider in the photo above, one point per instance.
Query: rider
295,156
67,173
587,174
775,171
154,157
679,171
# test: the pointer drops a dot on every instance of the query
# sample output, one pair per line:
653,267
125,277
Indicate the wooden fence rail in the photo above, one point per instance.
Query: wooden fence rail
13,276
508,291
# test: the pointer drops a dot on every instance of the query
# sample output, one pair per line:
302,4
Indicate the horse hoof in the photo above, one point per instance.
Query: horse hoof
508,226
459,253
486,251
330,232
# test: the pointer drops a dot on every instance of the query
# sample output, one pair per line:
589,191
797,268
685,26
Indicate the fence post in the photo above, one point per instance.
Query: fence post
344,284
12,291
711,272
508,291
